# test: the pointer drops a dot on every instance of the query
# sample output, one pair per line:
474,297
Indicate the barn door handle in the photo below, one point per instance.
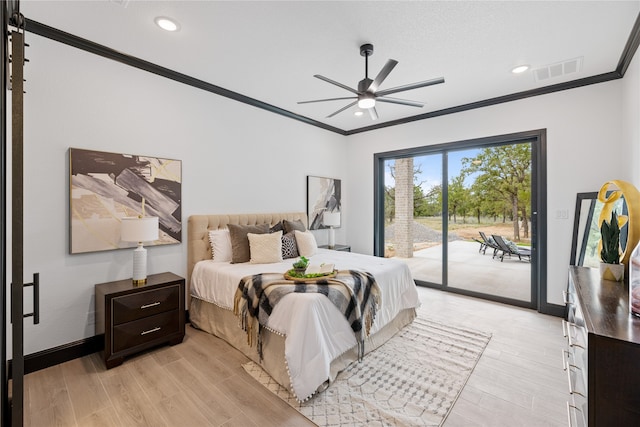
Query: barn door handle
36,299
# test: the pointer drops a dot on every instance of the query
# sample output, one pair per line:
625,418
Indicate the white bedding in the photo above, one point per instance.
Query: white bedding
316,332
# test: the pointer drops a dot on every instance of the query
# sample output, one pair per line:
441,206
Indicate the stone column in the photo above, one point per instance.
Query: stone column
404,208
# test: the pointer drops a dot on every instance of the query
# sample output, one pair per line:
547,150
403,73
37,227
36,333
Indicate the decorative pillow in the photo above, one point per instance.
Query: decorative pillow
220,245
307,244
289,246
265,248
290,226
240,251
278,226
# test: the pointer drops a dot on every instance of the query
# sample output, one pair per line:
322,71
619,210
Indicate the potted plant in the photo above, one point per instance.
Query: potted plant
610,267
300,266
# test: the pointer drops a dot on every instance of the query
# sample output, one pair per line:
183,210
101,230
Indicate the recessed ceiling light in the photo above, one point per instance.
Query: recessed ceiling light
520,69
167,24
358,113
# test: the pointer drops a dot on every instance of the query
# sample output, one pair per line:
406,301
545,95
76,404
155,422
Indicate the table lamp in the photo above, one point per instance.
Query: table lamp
331,219
136,229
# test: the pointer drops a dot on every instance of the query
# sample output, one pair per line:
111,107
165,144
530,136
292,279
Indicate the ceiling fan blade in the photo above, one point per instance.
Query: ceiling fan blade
333,82
328,99
410,86
342,109
373,87
400,101
373,113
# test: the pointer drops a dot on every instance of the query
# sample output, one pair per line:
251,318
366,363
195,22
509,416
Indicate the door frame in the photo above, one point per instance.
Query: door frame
538,140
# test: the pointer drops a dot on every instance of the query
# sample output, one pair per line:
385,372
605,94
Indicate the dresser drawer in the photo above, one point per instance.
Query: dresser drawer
145,330
143,304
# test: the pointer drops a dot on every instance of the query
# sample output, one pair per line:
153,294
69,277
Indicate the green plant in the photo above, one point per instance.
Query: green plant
610,236
303,262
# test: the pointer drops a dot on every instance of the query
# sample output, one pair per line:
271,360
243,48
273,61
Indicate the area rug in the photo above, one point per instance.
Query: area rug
412,380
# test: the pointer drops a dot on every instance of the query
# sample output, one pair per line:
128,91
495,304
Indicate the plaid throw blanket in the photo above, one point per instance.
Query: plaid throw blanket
355,293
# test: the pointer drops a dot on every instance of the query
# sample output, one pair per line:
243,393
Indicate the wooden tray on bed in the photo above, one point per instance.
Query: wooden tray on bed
310,279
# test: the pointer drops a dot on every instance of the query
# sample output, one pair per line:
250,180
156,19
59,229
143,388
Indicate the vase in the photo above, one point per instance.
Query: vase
614,272
634,282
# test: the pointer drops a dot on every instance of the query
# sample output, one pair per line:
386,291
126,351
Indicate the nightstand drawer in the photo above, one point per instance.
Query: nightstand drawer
142,331
147,303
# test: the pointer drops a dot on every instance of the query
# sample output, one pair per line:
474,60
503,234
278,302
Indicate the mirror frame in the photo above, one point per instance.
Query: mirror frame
593,196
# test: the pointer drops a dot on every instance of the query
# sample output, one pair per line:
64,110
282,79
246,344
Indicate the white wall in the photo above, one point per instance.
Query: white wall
584,149
235,159
631,117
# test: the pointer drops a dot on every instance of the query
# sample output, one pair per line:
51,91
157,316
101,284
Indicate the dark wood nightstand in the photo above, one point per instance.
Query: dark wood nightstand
135,318
344,248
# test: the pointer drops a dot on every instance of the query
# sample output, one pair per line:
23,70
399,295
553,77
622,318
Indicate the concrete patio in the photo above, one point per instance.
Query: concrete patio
471,270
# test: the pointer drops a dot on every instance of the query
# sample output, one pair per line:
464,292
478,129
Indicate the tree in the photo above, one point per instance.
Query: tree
458,197
423,204
504,175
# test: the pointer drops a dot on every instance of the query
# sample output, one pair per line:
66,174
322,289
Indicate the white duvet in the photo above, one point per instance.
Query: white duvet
315,331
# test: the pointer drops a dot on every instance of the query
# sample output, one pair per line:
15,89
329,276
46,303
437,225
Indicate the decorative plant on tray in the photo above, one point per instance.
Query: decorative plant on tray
610,267
300,266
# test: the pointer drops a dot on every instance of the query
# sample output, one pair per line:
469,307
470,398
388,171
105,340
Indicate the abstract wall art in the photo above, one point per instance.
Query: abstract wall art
105,187
323,195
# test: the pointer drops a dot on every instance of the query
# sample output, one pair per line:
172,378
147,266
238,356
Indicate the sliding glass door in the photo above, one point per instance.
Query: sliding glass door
445,209
489,194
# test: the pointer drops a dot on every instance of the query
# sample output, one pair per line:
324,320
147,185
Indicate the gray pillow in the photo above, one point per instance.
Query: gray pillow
278,226
240,251
290,226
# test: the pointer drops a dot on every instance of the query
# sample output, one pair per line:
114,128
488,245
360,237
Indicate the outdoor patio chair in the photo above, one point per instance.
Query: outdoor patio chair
511,249
488,243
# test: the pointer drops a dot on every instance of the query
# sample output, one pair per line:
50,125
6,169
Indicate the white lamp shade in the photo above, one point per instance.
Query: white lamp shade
331,219
134,229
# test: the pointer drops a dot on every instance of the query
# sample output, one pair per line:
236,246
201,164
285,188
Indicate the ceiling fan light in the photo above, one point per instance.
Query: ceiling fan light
366,102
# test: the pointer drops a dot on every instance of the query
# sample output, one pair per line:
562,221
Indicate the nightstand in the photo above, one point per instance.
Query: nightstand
135,318
343,248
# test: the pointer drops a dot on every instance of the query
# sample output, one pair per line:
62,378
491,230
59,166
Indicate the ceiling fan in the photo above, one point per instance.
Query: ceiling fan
368,93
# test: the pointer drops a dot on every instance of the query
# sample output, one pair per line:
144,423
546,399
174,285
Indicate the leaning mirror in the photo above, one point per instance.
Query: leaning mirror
586,229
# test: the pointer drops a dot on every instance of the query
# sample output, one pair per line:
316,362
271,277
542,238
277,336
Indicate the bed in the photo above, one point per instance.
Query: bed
307,341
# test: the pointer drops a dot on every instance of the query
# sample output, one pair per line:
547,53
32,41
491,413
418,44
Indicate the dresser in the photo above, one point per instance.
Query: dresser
135,318
602,355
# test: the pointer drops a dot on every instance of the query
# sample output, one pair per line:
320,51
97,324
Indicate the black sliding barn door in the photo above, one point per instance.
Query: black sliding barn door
13,47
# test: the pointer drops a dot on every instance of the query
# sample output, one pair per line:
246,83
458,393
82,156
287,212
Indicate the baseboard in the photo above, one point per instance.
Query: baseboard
64,353
553,309
54,356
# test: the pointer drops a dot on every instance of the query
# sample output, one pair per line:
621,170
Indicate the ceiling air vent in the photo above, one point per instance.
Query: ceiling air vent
558,69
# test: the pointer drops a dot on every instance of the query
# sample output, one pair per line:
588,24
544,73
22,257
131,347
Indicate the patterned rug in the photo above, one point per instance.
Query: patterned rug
412,380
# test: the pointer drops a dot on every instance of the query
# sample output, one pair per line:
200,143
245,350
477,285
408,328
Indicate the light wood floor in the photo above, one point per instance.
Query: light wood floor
518,381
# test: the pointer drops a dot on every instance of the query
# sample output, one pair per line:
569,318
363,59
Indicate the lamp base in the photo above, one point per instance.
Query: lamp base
139,282
332,238
139,265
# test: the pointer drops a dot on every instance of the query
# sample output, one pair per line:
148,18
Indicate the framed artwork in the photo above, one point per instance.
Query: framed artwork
323,195
105,187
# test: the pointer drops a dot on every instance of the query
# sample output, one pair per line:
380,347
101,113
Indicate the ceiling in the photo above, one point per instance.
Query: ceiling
270,50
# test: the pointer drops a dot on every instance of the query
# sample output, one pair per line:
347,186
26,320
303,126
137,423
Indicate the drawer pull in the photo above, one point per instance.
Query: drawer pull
566,332
565,361
157,328
569,408
153,304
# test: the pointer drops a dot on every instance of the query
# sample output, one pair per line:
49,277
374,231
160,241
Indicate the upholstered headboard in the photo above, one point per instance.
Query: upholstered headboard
199,226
